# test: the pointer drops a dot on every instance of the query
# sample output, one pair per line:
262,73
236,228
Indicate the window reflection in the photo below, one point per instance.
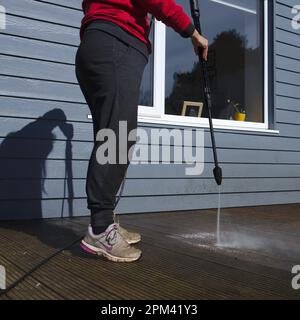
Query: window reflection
146,89
235,32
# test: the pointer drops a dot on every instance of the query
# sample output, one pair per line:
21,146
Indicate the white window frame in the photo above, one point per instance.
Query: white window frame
159,56
156,114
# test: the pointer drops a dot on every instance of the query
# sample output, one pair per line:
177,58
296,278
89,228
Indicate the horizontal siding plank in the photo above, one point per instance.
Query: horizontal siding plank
37,209
42,149
31,168
287,50
284,89
30,28
31,108
193,202
283,10
76,4
287,37
55,169
40,89
287,103
43,11
288,116
152,187
286,25
289,130
82,131
37,49
288,77
235,170
55,189
289,3
288,64
26,209
28,68
249,156
40,189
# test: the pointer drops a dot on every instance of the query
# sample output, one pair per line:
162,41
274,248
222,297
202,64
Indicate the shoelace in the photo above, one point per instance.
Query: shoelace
110,238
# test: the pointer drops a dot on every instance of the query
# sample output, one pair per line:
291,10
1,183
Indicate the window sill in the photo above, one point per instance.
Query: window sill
227,125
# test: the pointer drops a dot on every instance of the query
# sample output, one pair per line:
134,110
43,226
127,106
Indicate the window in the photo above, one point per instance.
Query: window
237,33
146,91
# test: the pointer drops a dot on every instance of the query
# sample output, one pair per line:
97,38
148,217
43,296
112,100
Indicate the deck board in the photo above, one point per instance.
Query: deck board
180,259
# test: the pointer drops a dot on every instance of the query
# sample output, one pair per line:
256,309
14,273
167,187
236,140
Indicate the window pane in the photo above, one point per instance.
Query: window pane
146,90
235,32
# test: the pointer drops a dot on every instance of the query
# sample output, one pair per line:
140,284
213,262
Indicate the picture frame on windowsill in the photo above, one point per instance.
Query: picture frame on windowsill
192,109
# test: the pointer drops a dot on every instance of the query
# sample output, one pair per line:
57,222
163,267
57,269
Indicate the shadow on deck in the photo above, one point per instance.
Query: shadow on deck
260,245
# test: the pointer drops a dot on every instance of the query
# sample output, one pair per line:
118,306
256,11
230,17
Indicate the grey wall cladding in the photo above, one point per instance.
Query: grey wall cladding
37,76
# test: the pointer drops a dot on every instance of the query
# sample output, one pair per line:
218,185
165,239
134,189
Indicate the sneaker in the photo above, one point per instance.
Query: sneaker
130,237
110,244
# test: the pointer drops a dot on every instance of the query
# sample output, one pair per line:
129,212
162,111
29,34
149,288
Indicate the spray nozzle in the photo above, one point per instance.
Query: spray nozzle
218,175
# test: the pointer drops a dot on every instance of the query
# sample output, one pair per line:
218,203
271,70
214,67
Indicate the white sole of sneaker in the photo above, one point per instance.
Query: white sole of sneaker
97,251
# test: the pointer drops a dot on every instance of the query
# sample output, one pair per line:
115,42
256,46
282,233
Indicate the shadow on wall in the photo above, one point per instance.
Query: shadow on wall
23,156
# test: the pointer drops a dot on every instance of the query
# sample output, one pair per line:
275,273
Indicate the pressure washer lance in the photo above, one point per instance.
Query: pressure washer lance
195,11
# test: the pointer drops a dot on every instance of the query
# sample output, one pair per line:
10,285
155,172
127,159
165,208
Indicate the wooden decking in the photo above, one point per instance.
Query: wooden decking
180,259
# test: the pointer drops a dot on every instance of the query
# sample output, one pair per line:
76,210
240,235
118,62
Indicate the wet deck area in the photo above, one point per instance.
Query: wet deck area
181,260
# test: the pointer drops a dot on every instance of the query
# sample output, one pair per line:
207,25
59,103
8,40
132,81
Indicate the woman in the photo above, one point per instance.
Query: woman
110,62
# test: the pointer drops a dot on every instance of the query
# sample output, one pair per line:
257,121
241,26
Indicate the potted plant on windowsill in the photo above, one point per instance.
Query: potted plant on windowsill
240,114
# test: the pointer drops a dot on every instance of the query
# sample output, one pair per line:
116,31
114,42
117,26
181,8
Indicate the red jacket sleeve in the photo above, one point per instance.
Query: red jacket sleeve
170,13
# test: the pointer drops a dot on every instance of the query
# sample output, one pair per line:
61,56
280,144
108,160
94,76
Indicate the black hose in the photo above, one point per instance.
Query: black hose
32,270
43,262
